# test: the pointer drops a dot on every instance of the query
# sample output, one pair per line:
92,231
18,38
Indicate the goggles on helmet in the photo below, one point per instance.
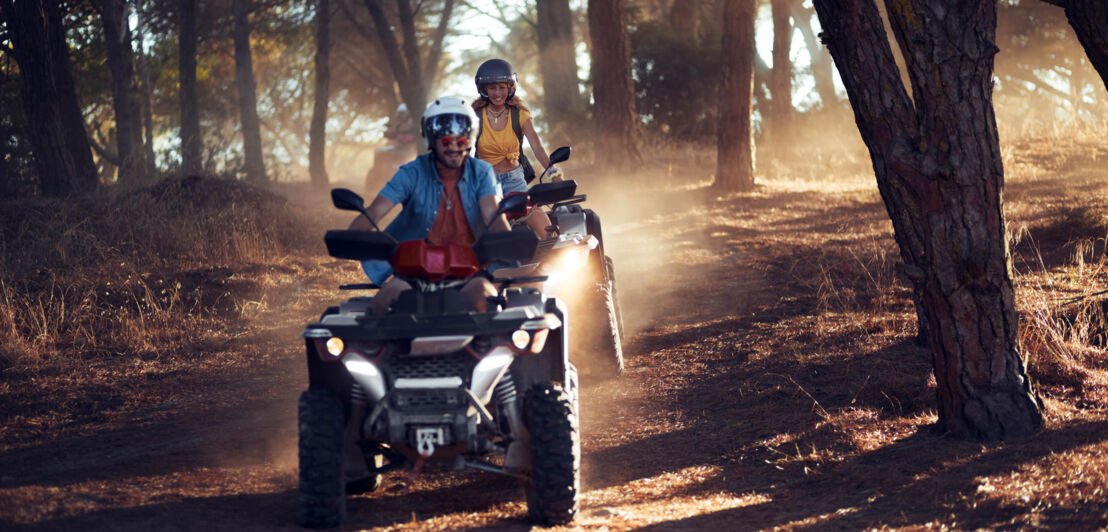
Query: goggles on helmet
453,125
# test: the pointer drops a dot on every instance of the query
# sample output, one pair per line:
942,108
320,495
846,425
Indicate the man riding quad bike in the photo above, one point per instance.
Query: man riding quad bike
433,380
441,364
580,272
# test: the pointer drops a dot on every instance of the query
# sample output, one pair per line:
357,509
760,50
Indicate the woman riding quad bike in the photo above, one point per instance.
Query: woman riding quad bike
580,271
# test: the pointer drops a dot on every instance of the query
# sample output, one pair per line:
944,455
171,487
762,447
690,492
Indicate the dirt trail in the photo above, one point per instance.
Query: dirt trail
722,420
223,454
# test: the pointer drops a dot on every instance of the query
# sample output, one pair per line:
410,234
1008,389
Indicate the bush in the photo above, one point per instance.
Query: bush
676,82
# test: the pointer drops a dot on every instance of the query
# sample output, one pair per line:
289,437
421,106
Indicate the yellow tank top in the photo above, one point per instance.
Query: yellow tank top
495,146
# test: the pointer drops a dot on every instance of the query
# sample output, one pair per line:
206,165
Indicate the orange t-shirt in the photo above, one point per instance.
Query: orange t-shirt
450,224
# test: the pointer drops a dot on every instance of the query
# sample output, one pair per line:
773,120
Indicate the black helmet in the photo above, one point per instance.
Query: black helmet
495,71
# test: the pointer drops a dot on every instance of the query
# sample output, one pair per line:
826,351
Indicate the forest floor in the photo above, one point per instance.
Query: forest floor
773,381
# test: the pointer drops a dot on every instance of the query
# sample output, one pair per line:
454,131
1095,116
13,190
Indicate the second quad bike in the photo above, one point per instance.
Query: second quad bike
580,271
432,380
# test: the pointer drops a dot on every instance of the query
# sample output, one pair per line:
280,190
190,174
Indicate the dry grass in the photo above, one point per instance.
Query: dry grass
119,274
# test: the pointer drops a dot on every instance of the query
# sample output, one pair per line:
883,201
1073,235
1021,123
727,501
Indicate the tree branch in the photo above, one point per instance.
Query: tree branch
365,31
101,150
435,52
407,29
390,47
500,17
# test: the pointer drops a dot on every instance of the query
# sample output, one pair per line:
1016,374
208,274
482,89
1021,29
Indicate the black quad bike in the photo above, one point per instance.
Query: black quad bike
433,381
580,271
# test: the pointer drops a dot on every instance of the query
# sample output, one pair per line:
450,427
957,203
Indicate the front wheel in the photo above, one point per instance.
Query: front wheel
599,330
322,486
551,416
610,267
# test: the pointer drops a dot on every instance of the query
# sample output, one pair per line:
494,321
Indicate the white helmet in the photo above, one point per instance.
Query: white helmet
447,116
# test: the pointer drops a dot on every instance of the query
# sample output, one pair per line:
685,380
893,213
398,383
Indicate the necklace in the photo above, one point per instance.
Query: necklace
495,115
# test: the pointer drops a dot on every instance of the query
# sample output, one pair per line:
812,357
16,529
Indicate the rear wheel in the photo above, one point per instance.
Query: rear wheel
322,486
552,495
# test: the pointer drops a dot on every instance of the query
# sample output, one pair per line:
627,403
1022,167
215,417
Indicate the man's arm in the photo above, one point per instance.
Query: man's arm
377,211
489,204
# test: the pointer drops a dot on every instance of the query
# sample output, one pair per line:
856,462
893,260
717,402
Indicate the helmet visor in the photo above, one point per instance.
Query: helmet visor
453,125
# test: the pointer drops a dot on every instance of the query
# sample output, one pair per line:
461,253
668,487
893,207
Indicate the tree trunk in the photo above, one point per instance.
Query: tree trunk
147,93
557,61
248,105
192,145
613,91
1089,19
63,157
735,163
73,120
939,170
128,132
780,78
821,61
684,17
317,162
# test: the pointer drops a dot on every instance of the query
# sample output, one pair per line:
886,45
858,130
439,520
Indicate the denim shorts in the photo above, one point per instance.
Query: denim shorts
512,180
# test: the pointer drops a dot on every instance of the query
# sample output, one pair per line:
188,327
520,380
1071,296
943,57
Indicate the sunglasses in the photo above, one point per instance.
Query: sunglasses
447,140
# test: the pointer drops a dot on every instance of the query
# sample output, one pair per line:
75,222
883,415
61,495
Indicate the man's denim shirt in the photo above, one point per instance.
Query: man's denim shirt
417,187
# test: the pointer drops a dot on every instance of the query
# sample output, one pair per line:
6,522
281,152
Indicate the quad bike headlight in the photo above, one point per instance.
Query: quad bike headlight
572,259
521,339
539,340
335,346
529,342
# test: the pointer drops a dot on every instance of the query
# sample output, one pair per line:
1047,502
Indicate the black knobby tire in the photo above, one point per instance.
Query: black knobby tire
610,266
599,327
553,493
322,486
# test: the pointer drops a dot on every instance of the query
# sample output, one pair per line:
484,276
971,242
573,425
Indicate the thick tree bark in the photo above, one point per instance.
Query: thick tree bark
1089,20
63,157
73,119
735,163
821,60
557,60
317,162
684,17
939,170
248,103
613,91
192,145
781,77
128,132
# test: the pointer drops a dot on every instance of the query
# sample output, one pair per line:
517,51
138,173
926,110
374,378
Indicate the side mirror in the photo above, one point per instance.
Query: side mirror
560,155
347,200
